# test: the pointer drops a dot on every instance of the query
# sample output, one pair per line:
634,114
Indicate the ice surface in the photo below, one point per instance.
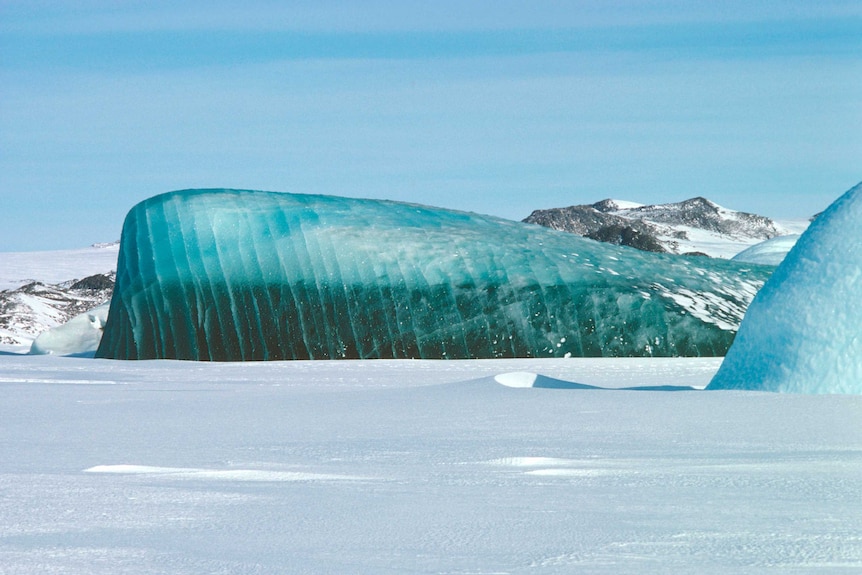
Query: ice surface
240,275
79,336
419,467
770,252
803,331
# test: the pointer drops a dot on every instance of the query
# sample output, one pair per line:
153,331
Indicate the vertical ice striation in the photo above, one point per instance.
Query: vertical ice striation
242,275
803,331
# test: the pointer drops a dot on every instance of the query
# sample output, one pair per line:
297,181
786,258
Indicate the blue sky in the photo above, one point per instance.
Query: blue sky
495,107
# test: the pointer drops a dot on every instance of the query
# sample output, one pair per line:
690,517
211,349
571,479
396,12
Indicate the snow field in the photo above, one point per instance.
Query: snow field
419,467
19,268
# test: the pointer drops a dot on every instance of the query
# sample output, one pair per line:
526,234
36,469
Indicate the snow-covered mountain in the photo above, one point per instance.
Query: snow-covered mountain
697,225
41,290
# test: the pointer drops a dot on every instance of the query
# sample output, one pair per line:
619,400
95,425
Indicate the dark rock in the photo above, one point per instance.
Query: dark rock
96,282
627,236
654,228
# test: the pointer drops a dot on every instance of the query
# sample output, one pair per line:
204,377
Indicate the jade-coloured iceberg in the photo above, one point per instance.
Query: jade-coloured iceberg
232,275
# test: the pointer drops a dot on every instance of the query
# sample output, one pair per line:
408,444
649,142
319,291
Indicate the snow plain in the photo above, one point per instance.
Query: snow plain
404,467
53,267
385,467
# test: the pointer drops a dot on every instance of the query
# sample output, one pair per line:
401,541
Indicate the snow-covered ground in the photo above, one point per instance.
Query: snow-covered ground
53,267
379,467
711,243
727,246
419,467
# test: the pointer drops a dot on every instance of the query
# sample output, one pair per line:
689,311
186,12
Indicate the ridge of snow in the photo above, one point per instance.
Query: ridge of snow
623,204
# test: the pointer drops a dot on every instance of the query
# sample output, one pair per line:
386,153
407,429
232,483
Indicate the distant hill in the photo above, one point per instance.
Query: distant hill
695,226
41,290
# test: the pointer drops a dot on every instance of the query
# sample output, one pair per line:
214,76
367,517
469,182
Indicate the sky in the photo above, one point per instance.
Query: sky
497,107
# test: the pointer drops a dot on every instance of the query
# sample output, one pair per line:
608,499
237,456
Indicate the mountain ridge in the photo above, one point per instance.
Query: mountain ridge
694,226
44,289
29,310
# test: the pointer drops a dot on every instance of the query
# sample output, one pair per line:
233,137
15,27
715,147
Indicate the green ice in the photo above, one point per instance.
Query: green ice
231,275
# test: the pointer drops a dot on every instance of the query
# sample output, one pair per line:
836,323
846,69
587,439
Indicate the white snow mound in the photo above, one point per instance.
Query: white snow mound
803,331
79,336
517,379
524,379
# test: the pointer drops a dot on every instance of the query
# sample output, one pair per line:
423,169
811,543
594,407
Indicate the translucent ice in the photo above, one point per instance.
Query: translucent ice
242,275
803,331
770,252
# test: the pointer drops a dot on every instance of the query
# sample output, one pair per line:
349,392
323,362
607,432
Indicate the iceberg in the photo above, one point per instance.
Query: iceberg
803,331
770,252
78,336
230,275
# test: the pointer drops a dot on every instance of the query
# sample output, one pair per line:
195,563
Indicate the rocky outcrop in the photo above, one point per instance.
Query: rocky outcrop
31,309
683,227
